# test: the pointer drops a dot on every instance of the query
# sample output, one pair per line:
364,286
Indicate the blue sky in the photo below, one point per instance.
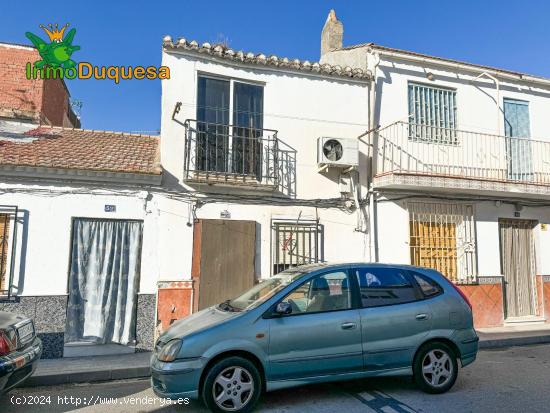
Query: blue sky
504,34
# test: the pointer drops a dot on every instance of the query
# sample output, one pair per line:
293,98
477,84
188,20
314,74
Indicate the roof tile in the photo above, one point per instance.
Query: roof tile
84,149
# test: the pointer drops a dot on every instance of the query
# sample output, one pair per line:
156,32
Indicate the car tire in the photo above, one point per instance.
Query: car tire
233,384
435,368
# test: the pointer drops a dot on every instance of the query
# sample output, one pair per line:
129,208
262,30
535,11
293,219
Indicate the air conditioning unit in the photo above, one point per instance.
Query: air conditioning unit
337,152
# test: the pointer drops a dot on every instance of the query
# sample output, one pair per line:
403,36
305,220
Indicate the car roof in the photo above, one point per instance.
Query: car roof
327,265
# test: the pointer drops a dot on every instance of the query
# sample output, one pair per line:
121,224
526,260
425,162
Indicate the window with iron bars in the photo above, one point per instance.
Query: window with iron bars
442,237
8,233
296,244
432,114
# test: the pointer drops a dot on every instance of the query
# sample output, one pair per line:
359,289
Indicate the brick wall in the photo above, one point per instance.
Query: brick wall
39,100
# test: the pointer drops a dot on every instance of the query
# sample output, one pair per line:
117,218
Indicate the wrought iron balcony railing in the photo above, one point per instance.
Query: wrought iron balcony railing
427,150
218,153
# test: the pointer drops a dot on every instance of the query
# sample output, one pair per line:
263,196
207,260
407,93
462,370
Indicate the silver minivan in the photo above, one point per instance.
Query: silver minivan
318,323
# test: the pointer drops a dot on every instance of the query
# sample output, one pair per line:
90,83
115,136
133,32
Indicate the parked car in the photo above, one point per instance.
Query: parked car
318,323
20,350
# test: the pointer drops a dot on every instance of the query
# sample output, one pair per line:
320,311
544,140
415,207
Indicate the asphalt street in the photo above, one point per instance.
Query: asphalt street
515,379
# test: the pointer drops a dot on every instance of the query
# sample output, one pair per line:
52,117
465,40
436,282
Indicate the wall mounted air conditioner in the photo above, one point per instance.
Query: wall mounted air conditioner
337,152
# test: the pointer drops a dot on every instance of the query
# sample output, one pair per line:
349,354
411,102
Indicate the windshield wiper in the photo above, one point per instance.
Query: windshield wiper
225,306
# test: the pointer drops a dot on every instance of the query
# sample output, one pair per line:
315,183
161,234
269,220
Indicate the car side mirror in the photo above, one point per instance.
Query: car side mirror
283,308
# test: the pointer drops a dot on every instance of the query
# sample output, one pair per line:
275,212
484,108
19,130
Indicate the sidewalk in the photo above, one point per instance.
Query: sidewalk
514,335
88,369
130,366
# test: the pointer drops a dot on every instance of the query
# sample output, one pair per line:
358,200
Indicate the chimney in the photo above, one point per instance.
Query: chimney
332,34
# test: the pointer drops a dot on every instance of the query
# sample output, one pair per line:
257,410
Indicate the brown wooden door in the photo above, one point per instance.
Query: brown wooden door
517,253
223,260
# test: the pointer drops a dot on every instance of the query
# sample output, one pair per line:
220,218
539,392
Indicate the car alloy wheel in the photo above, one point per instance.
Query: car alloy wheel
233,388
437,368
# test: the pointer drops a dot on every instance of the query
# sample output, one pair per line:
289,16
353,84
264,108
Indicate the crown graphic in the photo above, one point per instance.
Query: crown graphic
54,33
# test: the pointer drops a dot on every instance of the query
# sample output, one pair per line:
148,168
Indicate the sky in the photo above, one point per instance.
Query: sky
503,34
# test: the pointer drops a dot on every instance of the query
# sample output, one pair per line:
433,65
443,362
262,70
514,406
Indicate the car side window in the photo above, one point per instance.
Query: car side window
384,286
428,286
326,292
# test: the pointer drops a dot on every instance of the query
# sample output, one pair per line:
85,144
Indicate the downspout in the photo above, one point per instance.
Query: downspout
497,85
373,213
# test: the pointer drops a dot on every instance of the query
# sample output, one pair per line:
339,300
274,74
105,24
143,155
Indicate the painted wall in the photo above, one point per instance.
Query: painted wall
44,232
393,234
301,107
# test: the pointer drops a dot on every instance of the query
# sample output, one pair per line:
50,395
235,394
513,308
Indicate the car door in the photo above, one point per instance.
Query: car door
322,335
394,318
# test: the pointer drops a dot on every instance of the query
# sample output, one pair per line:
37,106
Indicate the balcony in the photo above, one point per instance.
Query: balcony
424,157
229,155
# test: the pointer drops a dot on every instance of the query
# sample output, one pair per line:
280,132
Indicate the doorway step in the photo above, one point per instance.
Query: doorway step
524,321
83,349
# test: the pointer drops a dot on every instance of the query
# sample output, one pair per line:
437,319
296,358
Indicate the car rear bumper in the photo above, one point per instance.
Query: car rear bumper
468,344
17,366
178,379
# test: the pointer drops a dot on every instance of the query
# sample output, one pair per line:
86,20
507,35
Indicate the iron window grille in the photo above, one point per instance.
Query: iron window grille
8,241
432,114
442,237
296,244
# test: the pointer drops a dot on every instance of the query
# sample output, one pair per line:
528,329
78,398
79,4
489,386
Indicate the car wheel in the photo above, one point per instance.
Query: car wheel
233,384
435,368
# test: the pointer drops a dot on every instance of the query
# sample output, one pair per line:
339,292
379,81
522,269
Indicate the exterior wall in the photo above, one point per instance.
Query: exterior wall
45,101
43,250
16,92
301,108
477,110
486,296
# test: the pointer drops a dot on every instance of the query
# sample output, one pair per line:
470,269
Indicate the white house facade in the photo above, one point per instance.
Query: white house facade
239,147
460,178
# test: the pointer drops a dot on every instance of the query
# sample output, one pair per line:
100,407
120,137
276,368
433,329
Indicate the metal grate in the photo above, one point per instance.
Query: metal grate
442,237
296,244
8,236
432,113
229,154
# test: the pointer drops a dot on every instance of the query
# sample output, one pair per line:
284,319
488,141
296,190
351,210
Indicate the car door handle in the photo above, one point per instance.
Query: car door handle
421,316
348,326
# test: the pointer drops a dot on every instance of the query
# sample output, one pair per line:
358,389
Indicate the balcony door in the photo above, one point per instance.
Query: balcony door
518,144
229,127
248,102
212,125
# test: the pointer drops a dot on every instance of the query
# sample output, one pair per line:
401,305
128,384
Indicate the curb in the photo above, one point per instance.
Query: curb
513,341
53,379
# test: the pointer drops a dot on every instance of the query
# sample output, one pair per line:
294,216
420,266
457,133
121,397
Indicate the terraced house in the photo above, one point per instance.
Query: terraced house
265,162
78,246
460,174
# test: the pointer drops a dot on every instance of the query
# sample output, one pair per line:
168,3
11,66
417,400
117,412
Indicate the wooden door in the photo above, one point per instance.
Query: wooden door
223,260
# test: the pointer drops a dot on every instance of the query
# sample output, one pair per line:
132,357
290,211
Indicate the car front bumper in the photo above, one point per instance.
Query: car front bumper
178,379
19,365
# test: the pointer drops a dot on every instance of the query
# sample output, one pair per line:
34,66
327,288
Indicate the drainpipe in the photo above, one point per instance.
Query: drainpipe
497,85
373,221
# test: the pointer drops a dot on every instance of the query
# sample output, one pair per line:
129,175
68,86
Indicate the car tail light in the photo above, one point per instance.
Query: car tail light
6,344
462,295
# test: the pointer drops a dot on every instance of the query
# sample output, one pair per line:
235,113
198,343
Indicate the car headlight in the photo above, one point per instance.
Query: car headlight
170,350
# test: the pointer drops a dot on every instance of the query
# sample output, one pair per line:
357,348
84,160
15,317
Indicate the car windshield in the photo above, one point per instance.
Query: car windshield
262,292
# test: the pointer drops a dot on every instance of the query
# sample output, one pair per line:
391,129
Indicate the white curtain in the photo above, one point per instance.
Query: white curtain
103,281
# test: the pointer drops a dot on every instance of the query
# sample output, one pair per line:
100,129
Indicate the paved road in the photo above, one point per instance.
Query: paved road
507,380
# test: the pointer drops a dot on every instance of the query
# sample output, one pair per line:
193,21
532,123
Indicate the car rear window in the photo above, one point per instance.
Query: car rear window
384,286
428,286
